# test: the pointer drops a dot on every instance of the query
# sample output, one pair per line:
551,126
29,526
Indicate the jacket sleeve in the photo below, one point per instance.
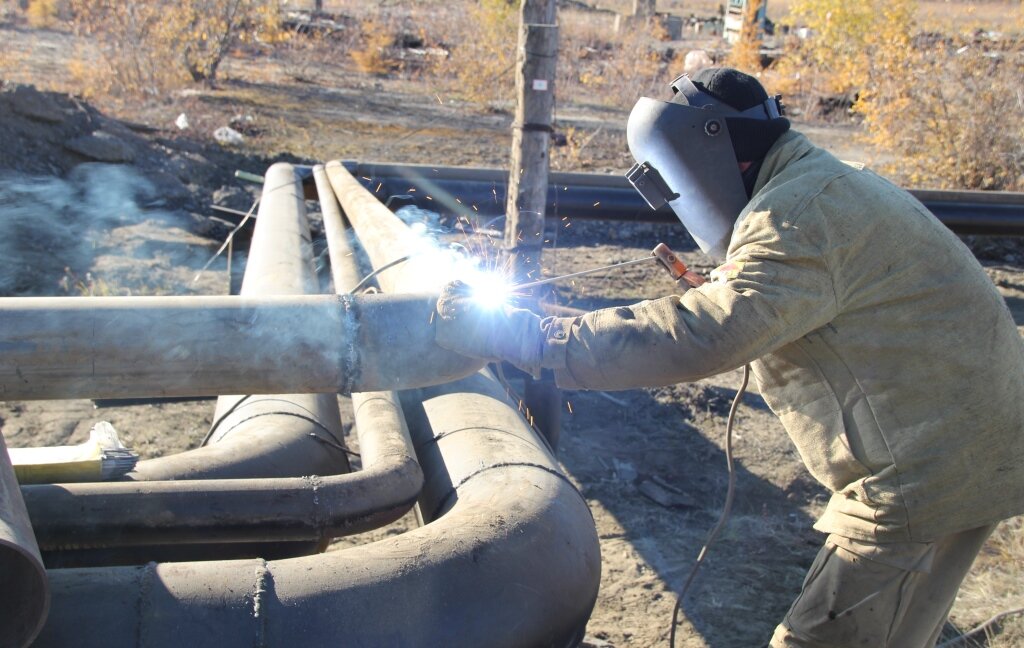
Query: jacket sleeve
775,287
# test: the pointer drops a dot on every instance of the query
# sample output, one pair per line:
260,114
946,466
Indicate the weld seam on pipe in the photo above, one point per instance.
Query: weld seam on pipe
263,574
471,428
303,417
351,371
251,400
443,503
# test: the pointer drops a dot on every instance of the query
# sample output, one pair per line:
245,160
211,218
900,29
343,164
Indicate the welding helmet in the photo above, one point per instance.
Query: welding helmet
686,157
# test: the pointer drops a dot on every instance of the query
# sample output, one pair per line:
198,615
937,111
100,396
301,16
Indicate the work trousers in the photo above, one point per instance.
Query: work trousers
866,595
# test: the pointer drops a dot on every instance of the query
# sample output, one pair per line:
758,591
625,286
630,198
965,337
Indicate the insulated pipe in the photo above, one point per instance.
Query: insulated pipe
104,514
277,435
24,593
510,557
245,511
344,267
117,347
594,196
385,238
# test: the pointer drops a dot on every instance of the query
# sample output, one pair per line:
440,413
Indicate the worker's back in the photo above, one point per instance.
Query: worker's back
909,403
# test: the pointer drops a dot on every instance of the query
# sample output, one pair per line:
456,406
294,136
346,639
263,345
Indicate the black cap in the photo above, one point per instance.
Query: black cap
751,138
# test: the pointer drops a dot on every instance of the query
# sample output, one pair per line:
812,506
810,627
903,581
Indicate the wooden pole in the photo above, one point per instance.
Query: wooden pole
531,136
528,179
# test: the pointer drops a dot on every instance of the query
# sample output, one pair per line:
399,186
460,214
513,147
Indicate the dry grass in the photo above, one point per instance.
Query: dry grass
995,584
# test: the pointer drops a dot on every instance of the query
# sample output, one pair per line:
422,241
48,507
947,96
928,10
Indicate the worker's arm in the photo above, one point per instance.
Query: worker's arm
775,288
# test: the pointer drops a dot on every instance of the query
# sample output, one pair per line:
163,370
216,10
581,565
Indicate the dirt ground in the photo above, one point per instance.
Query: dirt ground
649,462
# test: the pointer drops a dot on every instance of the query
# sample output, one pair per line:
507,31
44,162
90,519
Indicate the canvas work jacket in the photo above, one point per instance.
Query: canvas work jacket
872,332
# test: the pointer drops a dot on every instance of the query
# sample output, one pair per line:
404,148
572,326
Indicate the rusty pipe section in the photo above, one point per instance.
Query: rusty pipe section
24,593
121,347
269,435
510,557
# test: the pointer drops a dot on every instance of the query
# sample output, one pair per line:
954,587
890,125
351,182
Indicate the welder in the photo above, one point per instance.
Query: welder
870,329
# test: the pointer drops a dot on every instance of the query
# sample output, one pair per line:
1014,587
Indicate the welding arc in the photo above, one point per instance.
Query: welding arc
621,264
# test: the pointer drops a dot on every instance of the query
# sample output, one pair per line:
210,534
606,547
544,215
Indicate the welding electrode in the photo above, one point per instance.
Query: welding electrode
682,275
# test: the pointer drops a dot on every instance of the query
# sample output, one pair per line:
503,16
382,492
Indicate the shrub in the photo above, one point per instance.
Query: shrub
43,13
483,57
371,57
950,109
833,58
148,47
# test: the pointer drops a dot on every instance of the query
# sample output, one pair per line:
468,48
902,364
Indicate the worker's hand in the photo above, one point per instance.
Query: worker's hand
466,326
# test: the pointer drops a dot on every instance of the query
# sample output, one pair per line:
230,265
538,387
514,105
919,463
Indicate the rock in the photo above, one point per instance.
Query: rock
233,197
182,121
102,147
625,471
661,493
29,102
227,136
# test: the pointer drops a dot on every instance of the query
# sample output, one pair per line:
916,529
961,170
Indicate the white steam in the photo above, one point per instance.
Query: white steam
48,224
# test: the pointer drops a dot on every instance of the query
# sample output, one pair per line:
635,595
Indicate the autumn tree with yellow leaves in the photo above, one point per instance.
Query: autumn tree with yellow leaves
948,107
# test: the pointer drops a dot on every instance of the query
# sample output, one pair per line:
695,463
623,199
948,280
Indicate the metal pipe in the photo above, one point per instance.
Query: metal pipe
344,267
247,511
24,595
277,435
592,196
510,557
67,516
111,347
385,238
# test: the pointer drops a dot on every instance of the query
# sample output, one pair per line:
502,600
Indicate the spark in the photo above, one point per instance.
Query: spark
367,179
490,291
438,97
378,187
429,198
569,405
597,203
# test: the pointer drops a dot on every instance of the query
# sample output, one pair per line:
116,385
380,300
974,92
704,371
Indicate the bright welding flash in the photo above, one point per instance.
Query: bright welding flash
490,290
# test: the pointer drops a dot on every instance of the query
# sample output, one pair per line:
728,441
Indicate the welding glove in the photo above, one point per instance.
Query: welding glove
504,333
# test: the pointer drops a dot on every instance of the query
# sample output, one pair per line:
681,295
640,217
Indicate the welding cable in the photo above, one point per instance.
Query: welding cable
379,270
726,508
216,424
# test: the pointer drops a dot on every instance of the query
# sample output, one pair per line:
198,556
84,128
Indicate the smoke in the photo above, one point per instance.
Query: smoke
50,224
